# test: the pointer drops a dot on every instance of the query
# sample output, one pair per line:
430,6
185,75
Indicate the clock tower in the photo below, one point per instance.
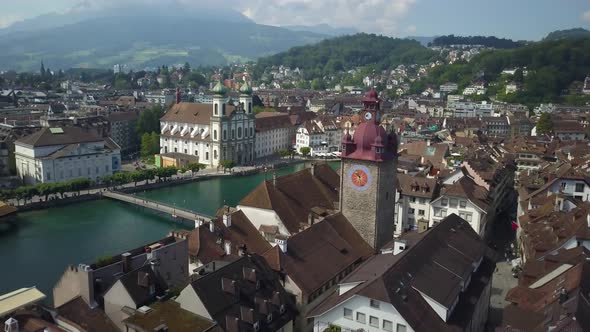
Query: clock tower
368,176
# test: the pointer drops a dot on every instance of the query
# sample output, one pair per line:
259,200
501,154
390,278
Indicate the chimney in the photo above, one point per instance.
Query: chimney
227,247
227,219
310,218
399,246
11,325
126,259
282,243
211,226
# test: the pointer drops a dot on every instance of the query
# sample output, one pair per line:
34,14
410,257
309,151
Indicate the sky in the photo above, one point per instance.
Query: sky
516,19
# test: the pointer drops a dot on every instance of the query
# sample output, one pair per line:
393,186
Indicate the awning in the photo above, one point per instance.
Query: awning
18,299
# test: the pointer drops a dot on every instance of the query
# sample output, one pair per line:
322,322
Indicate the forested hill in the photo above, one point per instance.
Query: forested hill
571,33
491,41
343,53
555,71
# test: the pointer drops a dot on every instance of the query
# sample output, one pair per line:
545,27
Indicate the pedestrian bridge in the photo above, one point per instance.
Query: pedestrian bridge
173,211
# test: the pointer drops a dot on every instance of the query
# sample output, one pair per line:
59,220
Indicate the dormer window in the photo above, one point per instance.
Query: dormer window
256,326
269,318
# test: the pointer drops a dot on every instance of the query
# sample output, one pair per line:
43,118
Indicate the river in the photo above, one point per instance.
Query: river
45,242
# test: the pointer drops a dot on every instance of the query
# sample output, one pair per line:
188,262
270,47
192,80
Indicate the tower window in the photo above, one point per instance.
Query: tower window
216,109
215,134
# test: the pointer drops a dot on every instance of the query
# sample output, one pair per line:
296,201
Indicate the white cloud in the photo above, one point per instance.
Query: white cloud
411,29
586,16
6,20
379,16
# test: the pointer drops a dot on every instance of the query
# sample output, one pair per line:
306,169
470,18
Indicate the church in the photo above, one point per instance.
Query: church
209,133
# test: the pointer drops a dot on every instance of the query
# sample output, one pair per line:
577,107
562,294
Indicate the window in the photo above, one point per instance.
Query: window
420,212
422,201
468,217
401,328
239,132
215,134
233,134
463,204
223,109
216,109
413,199
206,155
453,203
361,318
374,304
374,321
347,313
224,134
444,202
563,185
251,131
440,213
411,211
387,325
579,187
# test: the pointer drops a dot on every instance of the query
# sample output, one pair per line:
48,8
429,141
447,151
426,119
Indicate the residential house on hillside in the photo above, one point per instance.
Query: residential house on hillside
437,280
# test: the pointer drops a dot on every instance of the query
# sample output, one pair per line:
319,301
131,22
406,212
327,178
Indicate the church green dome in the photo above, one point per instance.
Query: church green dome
219,89
246,89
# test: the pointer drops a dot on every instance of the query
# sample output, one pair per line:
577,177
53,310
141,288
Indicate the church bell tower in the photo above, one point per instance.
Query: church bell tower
369,175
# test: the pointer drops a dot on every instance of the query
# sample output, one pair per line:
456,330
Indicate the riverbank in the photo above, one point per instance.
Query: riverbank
40,203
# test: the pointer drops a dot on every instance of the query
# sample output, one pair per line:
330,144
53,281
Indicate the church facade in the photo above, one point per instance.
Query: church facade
210,133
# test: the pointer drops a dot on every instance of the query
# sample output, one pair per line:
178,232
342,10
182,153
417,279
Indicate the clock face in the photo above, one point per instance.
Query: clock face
368,116
359,177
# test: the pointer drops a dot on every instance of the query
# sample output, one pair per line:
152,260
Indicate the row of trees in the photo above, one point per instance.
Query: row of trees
45,190
58,189
490,41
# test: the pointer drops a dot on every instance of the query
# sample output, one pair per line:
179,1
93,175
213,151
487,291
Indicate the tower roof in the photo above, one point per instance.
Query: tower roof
219,89
246,89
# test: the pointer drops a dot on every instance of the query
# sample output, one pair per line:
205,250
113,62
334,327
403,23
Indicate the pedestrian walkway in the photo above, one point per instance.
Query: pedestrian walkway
158,206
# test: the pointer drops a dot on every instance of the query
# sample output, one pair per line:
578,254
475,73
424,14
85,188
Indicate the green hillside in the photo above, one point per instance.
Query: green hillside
334,55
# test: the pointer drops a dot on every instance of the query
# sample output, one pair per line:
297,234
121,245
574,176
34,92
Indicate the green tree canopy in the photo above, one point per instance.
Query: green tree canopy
545,124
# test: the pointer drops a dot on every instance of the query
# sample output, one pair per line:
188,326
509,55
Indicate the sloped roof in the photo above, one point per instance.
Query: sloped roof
70,135
195,113
399,279
296,194
416,186
92,320
332,240
467,188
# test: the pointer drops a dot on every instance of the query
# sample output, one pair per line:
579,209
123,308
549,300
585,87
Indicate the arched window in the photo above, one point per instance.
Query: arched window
223,109
216,109
224,134
239,132
249,107
215,134
206,155
251,131
215,154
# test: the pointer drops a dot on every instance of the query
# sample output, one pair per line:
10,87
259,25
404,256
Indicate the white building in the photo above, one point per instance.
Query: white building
462,196
413,204
163,98
321,135
274,132
210,133
449,87
63,154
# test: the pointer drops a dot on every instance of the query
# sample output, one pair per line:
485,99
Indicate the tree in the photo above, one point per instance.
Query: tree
545,124
137,176
284,153
305,151
149,120
186,68
195,167
79,184
227,164
333,328
518,76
